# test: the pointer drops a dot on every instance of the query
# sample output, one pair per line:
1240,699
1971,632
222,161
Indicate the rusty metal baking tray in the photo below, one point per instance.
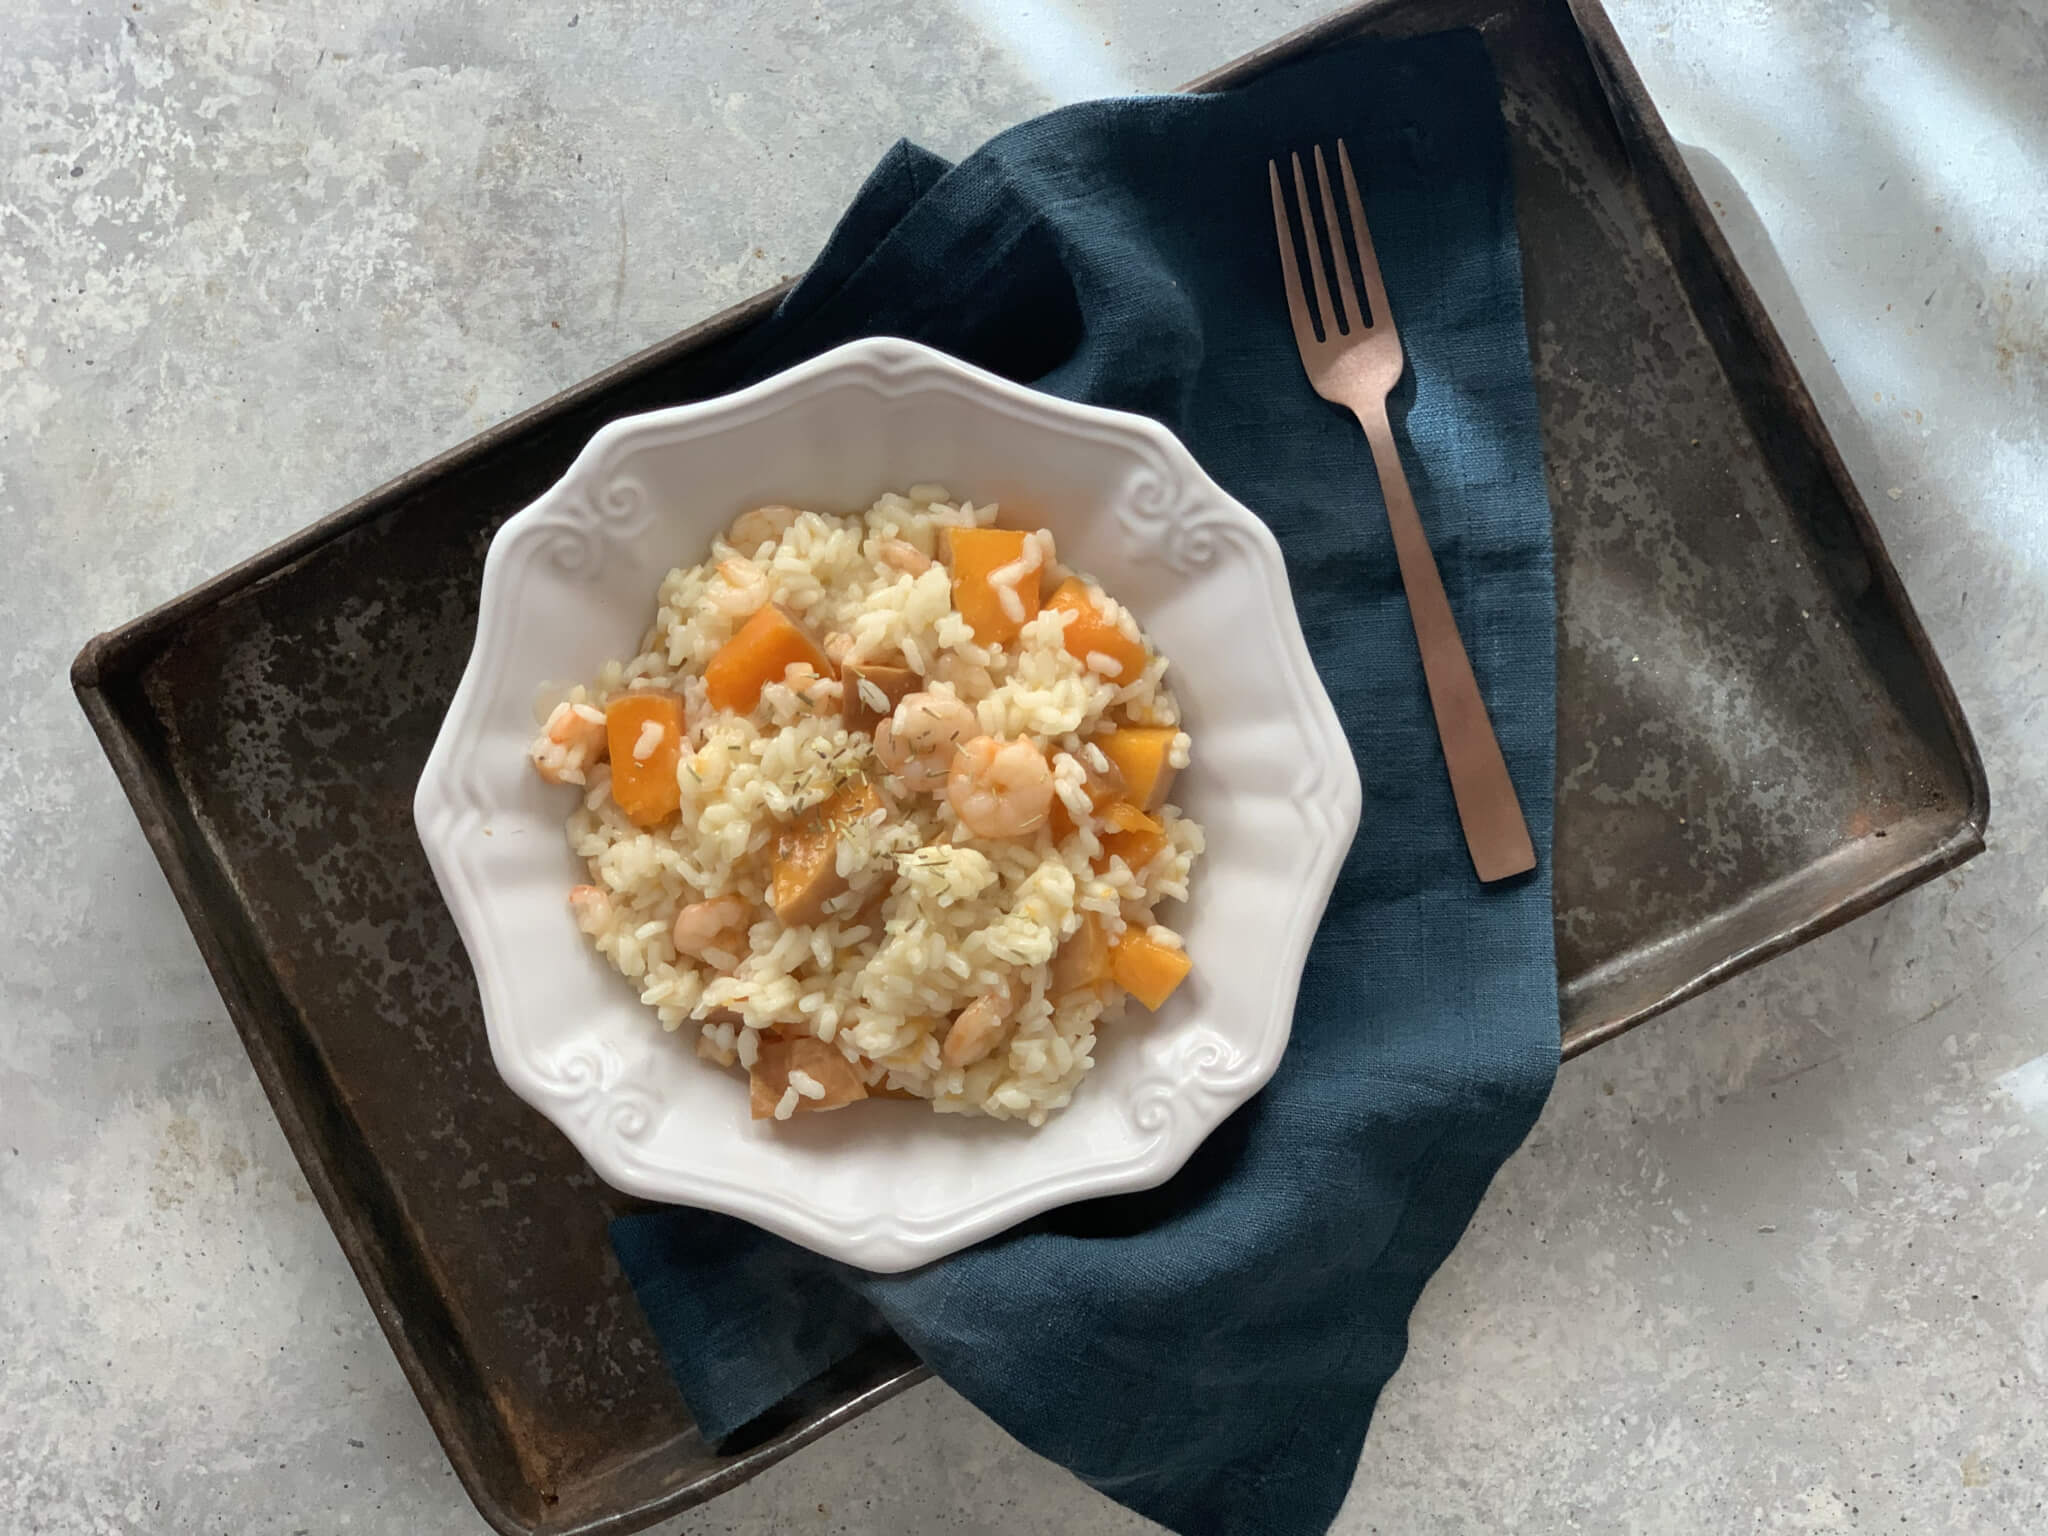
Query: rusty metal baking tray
1756,744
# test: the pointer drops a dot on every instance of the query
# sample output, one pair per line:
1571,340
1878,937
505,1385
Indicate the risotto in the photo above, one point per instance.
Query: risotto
881,810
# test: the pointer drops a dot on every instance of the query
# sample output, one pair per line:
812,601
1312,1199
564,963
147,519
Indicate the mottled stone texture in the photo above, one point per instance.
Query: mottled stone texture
1772,1263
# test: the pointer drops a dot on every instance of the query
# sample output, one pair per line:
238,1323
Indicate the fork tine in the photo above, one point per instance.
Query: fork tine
1368,259
1315,252
1349,314
1290,272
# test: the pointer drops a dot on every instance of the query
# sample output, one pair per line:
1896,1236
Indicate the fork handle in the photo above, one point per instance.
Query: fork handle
1488,809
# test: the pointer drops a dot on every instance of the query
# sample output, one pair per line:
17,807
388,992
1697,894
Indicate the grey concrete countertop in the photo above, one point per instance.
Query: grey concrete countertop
1773,1263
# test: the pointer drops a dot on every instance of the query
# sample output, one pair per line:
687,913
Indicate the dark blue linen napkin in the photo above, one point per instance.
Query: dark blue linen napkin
1209,1352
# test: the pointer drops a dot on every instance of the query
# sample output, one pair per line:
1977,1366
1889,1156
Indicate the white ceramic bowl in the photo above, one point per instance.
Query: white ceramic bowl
570,581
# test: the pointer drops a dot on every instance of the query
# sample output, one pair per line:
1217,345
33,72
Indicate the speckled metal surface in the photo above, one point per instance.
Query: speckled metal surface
1762,1266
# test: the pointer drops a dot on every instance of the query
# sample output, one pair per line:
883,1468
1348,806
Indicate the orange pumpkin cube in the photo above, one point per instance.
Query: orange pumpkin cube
644,739
1090,636
805,873
1132,836
765,647
1143,755
1082,959
1147,969
1102,790
978,555
776,1057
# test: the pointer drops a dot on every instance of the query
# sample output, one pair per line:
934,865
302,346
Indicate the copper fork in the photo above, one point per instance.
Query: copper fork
1355,363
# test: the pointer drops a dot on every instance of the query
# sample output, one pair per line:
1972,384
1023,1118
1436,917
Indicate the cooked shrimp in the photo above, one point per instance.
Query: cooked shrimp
718,925
762,525
571,741
918,741
977,1030
837,647
593,908
1000,788
745,591
573,725
902,555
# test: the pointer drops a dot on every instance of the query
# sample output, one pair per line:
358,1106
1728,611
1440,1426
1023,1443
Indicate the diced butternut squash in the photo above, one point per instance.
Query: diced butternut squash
1103,790
644,738
1125,817
1082,960
853,801
982,560
765,647
1105,786
871,692
829,1069
778,1056
1060,820
1132,836
1146,969
1142,754
805,874
1091,639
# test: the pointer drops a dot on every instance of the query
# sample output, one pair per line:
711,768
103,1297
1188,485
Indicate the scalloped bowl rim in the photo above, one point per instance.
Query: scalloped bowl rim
885,1241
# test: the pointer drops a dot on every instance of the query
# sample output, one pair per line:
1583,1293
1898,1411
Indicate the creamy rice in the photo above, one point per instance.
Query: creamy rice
929,917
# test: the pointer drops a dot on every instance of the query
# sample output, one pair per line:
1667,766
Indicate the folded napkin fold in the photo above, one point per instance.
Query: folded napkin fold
1209,1352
